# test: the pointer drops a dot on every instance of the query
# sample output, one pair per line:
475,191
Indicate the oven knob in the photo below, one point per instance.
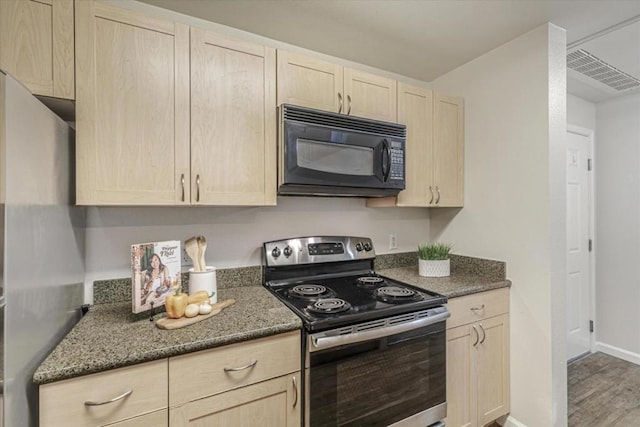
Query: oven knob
287,251
359,246
367,246
275,252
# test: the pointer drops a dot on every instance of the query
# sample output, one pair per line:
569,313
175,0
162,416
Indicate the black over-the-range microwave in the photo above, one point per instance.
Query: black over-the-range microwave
330,154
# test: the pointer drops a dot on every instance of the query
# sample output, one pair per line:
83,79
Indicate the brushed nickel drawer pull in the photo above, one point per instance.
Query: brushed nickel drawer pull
477,335
295,388
431,190
115,399
349,100
484,334
242,368
340,101
437,198
477,308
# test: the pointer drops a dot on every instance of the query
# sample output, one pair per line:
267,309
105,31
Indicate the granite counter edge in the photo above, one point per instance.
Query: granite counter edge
41,377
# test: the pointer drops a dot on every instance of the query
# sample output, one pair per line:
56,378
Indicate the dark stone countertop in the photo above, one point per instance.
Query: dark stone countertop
456,285
109,336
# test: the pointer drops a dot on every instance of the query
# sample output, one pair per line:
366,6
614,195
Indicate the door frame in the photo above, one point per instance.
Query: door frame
589,133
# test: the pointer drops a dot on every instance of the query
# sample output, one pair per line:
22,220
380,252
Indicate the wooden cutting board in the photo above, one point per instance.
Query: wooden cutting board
166,323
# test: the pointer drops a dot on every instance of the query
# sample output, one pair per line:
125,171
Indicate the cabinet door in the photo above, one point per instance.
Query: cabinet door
493,369
233,121
370,96
275,402
132,108
415,107
461,367
309,82
448,150
36,45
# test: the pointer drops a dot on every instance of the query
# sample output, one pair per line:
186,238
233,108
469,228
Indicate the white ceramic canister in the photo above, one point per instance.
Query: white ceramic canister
204,281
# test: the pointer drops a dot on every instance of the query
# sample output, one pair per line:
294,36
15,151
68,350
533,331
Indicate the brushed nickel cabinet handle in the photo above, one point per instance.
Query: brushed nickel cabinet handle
484,334
477,308
198,188
477,335
242,368
295,389
349,102
106,402
431,190
437,198
182,182
340,101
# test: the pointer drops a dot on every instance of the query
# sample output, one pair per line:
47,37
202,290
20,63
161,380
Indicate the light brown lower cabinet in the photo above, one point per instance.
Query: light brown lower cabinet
250,383
275,402
154,419
478,359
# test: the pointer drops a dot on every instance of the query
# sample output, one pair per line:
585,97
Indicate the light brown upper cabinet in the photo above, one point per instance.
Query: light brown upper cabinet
448,150
233,121
162,121
36,45
415,110
313,83
434,156
132,108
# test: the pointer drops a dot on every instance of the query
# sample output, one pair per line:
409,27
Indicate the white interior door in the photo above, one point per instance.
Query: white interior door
578,282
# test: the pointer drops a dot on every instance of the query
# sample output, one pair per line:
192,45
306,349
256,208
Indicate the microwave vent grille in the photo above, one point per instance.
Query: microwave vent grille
342,121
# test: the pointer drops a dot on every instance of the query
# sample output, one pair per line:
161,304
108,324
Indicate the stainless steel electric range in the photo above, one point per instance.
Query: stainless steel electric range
374,349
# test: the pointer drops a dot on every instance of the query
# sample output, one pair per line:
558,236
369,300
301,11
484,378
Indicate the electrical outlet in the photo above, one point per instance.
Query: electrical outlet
186,259
393,241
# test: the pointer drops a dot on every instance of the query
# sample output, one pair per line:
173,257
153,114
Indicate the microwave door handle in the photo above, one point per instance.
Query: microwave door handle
387,170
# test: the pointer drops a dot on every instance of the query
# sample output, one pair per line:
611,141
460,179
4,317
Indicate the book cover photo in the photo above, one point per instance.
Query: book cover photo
155,273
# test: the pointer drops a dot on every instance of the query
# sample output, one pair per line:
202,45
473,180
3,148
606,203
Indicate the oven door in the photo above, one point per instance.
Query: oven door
396,378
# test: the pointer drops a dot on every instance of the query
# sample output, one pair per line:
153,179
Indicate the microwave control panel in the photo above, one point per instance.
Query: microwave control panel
397,161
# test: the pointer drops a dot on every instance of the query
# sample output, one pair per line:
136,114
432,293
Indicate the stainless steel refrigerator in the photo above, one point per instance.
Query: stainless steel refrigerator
42,247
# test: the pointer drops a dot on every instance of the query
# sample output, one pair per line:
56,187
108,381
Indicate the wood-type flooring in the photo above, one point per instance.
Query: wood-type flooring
604,391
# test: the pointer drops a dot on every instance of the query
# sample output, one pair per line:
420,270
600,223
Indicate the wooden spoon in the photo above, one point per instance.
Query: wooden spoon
191,247
202,248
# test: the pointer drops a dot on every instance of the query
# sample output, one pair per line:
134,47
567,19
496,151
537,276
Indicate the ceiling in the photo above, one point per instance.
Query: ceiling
424,39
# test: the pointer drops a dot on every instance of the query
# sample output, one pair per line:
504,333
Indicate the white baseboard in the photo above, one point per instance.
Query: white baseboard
618,352
512,422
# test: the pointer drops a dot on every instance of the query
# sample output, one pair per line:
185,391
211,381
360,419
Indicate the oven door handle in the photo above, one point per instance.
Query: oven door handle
324,342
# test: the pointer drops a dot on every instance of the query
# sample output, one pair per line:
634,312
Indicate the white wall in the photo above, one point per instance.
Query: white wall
617,242
235,234
581,112
515,119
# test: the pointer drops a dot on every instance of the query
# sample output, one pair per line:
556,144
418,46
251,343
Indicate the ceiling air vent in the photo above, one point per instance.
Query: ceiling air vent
591,66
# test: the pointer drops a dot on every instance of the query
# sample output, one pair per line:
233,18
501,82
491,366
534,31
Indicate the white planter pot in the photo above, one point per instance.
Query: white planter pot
434,268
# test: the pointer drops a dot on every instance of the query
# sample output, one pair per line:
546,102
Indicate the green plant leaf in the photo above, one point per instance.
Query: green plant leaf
434,251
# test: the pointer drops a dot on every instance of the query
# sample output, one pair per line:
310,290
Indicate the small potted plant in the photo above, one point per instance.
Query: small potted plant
434,259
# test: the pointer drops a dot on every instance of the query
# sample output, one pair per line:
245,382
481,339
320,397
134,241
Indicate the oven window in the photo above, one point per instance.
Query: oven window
334,158
379,382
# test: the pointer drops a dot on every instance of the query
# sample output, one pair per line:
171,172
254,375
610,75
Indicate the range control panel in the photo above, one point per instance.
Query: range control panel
311,250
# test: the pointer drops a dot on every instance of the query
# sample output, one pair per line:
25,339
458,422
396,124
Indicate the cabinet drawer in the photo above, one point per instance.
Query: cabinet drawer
196,375
471,308
63,403
154,419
